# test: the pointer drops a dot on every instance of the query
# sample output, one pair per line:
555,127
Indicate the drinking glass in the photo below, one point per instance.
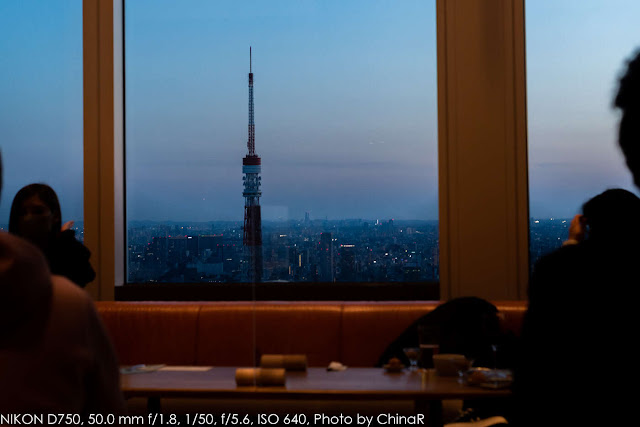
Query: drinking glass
412,354
428,340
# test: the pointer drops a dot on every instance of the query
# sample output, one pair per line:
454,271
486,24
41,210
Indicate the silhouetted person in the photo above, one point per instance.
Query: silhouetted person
605,219
55,356
36,216
628,101
465,325
578,336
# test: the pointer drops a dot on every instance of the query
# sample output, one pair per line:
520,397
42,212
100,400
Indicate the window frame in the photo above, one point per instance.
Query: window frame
483,246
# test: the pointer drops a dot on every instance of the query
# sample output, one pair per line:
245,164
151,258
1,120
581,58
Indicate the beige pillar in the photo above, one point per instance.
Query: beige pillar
482,149
103,148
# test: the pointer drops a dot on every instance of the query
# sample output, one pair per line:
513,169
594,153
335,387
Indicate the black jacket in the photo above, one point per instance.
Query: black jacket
578,354
69,258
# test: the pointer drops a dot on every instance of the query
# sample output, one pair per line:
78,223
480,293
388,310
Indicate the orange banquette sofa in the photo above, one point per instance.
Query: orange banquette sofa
232,333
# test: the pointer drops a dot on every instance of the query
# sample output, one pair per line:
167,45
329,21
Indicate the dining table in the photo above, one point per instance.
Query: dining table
424,387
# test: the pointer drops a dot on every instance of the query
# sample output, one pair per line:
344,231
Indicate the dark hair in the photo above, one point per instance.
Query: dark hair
44,193
610,214
628,100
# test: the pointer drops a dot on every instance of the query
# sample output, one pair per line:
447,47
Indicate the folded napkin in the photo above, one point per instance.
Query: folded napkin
260,377
290,362
336,366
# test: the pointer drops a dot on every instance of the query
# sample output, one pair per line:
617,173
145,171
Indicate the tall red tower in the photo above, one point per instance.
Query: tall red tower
251,168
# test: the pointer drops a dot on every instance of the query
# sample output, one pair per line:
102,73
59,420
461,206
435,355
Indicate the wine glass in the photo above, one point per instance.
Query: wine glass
494,351
498,356
412,354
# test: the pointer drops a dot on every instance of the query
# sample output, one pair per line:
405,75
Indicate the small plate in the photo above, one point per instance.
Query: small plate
140,369
393,368
488,378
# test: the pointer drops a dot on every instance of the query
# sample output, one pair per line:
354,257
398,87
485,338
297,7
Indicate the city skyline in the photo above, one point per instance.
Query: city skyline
295,251
304,250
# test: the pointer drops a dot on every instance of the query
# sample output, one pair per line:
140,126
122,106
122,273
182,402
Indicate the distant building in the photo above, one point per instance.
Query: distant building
211,248
157,251
209,268
325,255
177,249
192,247
411,272
347,264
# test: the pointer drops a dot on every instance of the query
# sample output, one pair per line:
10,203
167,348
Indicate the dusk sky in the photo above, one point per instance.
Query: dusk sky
41,100
345,108
345,105
576,51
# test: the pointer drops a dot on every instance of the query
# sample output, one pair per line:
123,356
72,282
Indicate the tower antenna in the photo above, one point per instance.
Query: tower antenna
251,168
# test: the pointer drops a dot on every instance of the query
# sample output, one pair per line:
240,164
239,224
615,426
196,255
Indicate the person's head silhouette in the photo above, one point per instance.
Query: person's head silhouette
610,215
35,214
628,100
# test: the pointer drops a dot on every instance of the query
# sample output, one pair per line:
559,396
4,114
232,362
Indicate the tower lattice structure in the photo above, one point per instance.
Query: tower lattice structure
251,168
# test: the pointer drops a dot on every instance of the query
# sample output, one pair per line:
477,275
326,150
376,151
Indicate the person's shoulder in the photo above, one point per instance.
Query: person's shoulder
73,312
560,257
66,287
70,295
587,256
561,266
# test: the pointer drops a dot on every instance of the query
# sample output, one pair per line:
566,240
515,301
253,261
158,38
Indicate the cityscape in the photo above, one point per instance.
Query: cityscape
292,251
350,250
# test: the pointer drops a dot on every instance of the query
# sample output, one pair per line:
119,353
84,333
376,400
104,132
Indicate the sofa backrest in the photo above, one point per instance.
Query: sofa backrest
367,329
222,333
225,336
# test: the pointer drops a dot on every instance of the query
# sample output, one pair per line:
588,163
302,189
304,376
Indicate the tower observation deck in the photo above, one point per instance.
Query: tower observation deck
251,168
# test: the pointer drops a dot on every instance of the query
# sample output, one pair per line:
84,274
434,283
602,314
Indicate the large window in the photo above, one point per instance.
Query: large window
345,126
575,53
41,102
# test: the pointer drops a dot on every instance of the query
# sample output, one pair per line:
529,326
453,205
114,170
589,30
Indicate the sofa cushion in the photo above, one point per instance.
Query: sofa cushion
512,315
225,336
368,328
150,332
311,328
